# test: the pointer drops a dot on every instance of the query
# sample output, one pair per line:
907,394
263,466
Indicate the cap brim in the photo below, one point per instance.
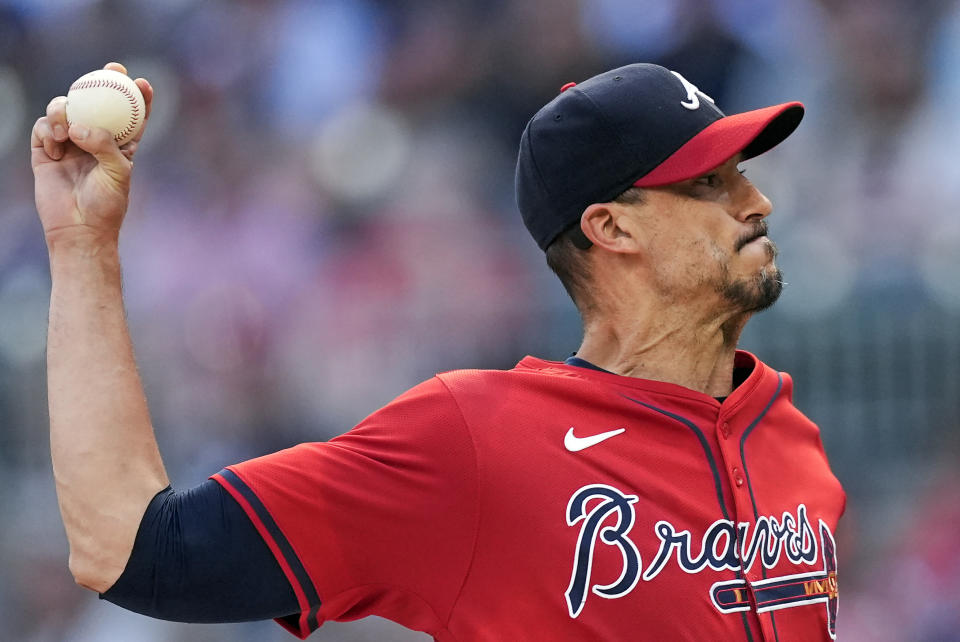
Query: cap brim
751,132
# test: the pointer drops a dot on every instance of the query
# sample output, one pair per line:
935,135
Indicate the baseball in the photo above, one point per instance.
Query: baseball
107,99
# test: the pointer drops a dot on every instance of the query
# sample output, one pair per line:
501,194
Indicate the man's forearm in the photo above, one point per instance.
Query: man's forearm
105,458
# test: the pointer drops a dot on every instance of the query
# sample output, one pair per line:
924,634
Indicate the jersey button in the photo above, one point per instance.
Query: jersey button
737,477
725,430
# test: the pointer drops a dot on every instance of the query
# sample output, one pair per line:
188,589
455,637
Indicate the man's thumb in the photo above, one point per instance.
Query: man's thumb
99,142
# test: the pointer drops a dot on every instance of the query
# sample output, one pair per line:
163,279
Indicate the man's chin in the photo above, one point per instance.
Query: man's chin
756,294
770,288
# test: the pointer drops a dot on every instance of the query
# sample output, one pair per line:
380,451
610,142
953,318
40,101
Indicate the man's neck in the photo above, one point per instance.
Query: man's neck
667,347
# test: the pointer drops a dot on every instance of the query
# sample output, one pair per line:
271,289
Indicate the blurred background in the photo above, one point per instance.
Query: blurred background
323,216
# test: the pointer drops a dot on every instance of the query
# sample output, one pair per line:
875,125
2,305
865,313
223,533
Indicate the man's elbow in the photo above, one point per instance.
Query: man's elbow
94,572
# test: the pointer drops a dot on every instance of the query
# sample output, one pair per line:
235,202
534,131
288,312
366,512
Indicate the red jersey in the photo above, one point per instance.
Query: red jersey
553,502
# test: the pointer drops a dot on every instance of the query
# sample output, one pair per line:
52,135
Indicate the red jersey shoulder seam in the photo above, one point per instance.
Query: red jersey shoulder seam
476,529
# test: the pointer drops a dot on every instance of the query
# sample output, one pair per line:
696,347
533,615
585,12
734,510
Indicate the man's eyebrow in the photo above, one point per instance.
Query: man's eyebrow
682,188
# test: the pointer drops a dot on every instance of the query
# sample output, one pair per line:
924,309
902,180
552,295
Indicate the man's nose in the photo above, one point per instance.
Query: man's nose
754,205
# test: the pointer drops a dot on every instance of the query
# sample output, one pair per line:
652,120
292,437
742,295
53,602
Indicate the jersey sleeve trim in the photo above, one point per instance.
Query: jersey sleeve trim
286,557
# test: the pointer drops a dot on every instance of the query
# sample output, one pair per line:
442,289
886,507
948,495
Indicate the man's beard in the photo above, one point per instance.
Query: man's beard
759,292
756,294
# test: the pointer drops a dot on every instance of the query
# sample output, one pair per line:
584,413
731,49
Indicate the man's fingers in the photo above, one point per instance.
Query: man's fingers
129,150
147,90
41,131
57,105
57,115
116,66
52,148
100,143
42,136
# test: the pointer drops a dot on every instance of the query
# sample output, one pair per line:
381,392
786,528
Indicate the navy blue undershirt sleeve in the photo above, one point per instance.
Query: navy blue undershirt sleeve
198,558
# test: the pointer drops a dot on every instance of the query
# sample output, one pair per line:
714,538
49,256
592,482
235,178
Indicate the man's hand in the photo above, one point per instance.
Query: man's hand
82,178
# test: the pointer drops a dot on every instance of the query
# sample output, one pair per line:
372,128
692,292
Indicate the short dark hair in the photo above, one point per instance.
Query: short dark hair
569,263
567,256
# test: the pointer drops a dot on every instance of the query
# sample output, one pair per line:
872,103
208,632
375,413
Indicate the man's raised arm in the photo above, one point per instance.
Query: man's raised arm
105,459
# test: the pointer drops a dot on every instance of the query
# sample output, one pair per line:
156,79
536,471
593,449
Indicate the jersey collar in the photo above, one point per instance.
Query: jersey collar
760,375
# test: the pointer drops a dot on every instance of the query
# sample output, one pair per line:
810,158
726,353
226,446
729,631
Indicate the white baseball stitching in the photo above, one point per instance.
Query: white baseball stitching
113,84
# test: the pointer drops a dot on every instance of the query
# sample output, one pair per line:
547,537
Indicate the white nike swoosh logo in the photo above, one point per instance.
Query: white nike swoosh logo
574,444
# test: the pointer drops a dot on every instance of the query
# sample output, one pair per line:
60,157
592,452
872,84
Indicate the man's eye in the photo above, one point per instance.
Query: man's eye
710,180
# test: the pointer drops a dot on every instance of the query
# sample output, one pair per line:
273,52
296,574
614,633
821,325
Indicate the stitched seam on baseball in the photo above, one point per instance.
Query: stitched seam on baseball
112,84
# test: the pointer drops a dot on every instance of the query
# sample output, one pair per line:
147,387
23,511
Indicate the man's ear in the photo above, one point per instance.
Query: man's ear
610,226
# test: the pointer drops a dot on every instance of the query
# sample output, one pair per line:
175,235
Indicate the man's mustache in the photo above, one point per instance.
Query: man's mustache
759,229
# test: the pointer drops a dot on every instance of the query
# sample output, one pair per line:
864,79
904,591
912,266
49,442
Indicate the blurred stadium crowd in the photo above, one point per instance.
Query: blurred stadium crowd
323,216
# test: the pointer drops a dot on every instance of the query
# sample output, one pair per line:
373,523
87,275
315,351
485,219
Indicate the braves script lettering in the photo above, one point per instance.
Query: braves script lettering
718,549
612,502
606,515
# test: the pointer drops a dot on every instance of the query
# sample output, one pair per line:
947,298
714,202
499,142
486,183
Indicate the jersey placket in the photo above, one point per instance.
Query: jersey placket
732,429
727,439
